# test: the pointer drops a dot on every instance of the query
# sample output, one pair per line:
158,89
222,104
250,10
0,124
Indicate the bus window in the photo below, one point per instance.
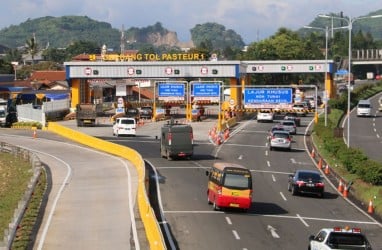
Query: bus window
237,181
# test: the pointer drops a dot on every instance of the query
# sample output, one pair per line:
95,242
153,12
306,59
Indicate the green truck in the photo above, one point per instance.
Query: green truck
86,114
176,141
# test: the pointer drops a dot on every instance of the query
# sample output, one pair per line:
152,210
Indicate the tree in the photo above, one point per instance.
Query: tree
32,47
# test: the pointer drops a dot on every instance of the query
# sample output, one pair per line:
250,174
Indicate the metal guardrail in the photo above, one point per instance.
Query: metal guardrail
10,232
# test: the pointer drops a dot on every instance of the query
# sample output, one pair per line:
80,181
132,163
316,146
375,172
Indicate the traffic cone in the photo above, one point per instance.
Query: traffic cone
345,192
218,140
340,186
327,171
370,209
319,165
313,154
34,134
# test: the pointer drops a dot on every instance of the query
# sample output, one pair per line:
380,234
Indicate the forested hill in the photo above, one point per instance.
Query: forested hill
59,32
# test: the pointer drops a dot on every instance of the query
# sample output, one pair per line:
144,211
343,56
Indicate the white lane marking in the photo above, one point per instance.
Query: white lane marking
268,163
240,157
302,220
266,152
375,130
236,235
54,205
273,232
377,135
293,160
278,216
228,220
129,180
283,196
273,178
267,171
160,204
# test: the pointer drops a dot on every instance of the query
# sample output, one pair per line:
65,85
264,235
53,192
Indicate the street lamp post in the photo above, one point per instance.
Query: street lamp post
350,22
326,68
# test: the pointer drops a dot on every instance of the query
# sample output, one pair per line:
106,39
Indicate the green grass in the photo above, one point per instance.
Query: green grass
14,177
15,174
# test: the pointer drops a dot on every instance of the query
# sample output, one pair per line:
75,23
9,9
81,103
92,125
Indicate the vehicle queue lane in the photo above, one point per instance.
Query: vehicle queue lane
312,212
277,220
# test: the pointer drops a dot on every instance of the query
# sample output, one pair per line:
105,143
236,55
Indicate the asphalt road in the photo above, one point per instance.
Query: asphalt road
276,220
366,132
91,194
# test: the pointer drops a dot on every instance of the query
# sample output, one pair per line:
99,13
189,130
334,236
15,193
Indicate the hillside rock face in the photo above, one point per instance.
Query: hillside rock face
170,39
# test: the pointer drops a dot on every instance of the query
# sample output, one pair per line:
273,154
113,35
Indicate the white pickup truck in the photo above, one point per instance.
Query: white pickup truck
339,238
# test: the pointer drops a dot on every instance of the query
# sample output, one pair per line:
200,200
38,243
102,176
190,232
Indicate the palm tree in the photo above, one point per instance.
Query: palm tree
32,47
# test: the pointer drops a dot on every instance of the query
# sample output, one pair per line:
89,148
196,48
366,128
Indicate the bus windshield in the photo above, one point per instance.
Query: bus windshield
237,181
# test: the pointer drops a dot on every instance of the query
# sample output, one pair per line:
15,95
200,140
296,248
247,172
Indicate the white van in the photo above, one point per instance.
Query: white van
124,126
364,108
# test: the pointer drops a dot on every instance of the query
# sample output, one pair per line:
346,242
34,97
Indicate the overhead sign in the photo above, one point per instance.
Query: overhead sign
269,95
205,89
171,91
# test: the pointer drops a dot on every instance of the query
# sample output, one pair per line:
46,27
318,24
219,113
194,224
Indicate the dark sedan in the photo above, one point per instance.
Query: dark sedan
306,181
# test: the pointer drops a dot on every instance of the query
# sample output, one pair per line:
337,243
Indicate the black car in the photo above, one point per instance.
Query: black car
146,112
132,113
306,181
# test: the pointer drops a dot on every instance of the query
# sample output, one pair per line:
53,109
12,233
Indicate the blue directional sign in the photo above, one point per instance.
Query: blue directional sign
205,90
171,90
272,95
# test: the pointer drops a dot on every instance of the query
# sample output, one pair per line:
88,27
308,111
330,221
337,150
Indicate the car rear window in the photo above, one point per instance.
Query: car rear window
127,121
349,239
309,176
288,123
281,135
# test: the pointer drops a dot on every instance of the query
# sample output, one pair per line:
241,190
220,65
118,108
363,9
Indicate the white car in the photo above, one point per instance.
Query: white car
280,139
300,109
338,238
265,115
289,125
124,126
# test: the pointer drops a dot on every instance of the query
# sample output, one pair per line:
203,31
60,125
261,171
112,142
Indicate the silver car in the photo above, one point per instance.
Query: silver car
280,139
289,125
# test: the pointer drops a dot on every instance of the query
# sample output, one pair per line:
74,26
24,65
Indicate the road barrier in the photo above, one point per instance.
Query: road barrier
152,228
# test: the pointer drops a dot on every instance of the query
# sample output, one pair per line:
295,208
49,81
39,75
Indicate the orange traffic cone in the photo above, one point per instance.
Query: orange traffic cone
319,165
327,171
34,134
370,209
313,154
340,186
345,192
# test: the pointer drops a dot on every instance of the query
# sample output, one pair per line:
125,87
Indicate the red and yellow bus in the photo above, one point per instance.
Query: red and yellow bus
229,186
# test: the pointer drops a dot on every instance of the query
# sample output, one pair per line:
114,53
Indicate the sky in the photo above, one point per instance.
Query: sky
253,20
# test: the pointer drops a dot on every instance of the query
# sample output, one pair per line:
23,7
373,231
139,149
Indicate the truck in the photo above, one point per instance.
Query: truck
86,114
339,238
176,140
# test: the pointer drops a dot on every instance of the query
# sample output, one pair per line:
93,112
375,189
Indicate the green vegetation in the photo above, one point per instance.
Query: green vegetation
350,163
15,174
14,178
